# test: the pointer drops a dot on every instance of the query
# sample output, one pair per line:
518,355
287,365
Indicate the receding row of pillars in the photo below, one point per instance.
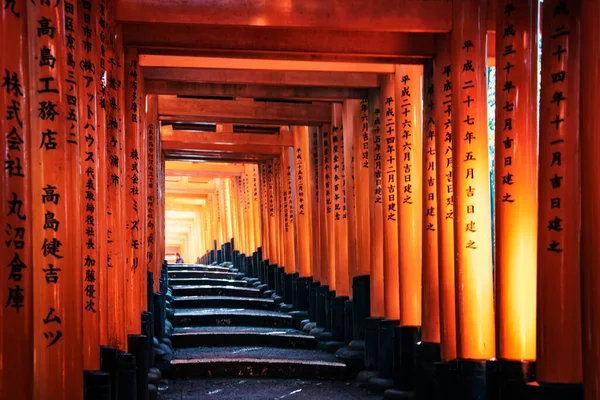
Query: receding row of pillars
398,187
81,188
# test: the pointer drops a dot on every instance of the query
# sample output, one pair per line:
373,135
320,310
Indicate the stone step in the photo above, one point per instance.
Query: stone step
233,317
255,362
197,267
206,281
204,274
215,336
224,302
207,290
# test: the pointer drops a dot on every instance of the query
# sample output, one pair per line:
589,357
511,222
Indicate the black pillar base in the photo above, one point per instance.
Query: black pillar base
108,364
96,385
312,301
372,343
160,314
303,293
272,276
126,376
288,288
337,324
321,293
405,340
138,347
552,391
148,330
385,332
507,379
280,280
426,354
348,321
295,277
467,379
219,257
361,307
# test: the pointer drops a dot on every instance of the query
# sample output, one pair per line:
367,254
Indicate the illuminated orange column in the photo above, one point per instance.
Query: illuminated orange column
409,133
376,205
326,210
256,193
99,19
516,177
313,180
152,187
361,187
288,191
281,237
93,187
442,111
134,242
430,301
115,195
350,112
303,204
390,196
590,129
55,190
339,194
265,212
16,312
471,183
250,210
558,347
271,209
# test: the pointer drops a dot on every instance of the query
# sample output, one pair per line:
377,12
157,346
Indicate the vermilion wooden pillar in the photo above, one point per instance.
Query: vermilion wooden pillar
279,213
430,306
303,175
376,154
289,196
92,141
326,211
339,195
351,111
316,197
558,348
134,169
17,287
515,181
154,263
590,129
99,19
56,201
362,173
115,195
271,208
391,198
471,186
256,193
264,212
442,110
409,132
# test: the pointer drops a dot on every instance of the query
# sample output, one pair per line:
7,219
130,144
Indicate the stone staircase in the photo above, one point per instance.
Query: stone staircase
224,327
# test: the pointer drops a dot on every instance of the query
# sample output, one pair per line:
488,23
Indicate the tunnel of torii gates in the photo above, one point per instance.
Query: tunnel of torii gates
306,141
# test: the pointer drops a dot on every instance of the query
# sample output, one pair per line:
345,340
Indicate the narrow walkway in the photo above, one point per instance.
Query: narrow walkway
230,342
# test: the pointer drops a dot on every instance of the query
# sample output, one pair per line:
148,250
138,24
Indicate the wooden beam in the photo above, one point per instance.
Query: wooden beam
250,139
244,111
202,174
276,43
215,156
373,15
275,78
186,61
222,148
205,166
165,87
